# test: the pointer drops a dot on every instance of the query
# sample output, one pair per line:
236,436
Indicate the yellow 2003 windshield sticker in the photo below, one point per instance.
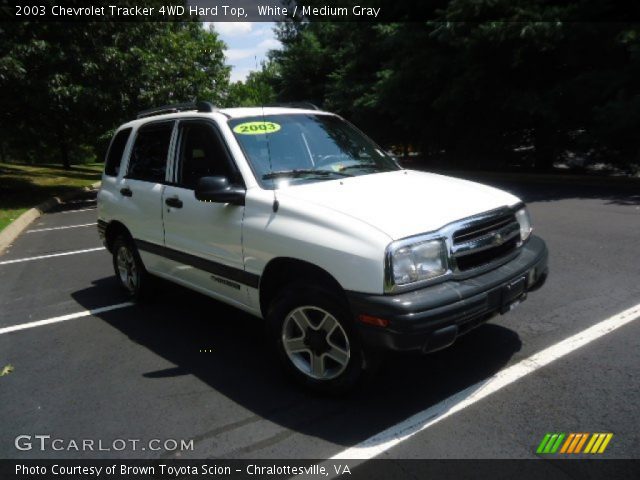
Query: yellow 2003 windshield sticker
256,128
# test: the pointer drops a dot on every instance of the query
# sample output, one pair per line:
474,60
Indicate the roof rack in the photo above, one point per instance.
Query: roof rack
178,107
305,105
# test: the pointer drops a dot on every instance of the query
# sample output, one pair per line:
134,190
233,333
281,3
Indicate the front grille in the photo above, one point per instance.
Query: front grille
484,257
485,240
476,230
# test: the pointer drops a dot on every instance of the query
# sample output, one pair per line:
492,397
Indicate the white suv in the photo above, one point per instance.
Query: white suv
295,216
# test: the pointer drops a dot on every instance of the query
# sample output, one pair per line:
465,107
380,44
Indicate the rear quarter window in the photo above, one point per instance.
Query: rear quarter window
115,152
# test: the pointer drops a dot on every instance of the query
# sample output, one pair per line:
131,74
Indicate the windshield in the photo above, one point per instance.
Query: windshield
302,148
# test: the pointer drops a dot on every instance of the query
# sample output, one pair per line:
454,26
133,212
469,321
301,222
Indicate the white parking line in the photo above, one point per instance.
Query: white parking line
61,254
76,211
59,228
64,318
389,438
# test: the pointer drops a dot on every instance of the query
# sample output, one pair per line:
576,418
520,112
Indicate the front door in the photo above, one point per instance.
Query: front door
204,238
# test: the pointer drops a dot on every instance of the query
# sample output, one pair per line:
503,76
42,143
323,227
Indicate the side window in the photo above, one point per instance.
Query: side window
201,154
149,154
116,149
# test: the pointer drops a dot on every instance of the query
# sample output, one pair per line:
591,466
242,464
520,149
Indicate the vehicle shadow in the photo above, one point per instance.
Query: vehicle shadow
179,324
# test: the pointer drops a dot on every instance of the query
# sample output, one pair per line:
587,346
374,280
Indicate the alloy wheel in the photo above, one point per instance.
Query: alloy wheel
316,343
127,268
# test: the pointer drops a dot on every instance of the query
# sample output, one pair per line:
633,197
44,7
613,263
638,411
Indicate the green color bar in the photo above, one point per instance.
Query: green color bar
554,449
550,443
543,443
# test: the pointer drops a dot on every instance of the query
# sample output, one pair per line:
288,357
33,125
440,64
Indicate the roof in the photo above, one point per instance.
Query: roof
257,111
228,112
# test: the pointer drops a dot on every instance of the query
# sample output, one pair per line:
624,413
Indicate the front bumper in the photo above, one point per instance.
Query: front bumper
432,318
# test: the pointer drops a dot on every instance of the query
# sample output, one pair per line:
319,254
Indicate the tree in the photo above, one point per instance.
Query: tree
68,85
479,80
256,89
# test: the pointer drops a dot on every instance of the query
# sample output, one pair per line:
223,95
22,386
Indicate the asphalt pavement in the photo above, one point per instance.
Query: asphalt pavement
185,367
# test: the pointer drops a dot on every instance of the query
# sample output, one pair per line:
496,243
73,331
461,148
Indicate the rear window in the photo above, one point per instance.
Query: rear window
116,149
149,154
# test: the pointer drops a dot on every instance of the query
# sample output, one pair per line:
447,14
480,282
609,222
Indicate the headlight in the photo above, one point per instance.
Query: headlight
524,220
414,262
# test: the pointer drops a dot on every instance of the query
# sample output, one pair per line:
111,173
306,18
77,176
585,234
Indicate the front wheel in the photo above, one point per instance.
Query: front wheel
316,341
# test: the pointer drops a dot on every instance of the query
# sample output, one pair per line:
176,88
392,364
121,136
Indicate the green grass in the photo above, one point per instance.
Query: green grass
25,186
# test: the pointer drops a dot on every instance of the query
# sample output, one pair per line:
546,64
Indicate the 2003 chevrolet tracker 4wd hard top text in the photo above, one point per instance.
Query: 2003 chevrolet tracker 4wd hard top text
294,215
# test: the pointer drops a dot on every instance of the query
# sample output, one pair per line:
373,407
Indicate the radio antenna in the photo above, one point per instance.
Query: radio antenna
276,204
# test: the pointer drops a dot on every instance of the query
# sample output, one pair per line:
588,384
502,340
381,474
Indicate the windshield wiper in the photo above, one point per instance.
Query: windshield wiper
361,165
301,172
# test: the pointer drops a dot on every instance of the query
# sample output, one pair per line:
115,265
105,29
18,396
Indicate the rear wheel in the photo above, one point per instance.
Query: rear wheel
128,267
316,341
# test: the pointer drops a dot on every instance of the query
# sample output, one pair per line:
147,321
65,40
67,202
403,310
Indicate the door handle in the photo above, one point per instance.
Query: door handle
174,202
126,192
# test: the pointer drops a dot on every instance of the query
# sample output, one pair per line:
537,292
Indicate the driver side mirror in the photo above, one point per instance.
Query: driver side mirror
217,189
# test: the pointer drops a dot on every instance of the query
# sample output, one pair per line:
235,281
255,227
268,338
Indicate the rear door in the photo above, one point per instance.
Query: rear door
141,189
109,198
204,238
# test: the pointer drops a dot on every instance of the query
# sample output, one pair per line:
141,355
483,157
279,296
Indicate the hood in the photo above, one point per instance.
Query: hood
402,203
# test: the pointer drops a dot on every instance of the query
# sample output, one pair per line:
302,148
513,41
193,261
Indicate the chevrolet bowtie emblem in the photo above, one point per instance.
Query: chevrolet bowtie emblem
497,239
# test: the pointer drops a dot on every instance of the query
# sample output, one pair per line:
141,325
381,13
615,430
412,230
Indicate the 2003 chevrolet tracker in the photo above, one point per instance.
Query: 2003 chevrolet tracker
295,216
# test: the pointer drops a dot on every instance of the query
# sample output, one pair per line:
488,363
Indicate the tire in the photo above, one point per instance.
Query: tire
315,340
129,269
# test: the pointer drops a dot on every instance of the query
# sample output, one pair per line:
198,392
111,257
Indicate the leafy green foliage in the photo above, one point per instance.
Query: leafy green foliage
257,89
482,80
64,86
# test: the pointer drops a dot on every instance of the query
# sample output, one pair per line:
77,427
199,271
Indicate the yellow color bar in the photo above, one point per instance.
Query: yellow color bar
596,445
606,442
594,437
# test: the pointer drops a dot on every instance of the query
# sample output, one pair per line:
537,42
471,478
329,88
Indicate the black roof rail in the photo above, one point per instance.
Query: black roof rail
178,107
305,105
